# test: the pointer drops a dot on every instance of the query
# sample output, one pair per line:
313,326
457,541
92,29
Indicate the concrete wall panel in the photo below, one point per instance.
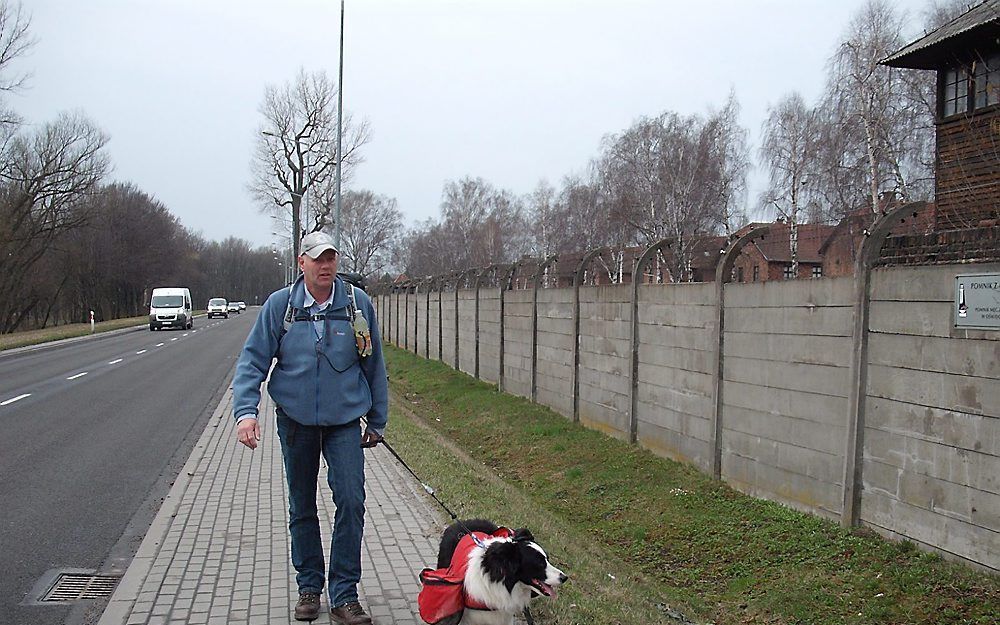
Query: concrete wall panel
467,330
931,467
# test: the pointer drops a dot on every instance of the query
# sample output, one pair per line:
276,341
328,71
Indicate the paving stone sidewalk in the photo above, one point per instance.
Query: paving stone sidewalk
218,550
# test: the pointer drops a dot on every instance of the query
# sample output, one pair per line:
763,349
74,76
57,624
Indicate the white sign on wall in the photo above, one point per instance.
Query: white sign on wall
977,301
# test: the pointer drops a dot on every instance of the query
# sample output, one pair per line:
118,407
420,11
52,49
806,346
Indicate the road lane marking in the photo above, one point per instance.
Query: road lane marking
141,351
159,345
79,375
116,361
14,399
174,339
183,335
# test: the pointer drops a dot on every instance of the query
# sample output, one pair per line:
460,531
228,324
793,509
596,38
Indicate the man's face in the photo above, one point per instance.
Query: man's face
319,273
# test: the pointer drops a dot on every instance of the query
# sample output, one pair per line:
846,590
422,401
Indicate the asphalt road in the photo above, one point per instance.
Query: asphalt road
92,434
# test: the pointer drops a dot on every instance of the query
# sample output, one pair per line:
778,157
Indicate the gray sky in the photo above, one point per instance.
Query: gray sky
513,91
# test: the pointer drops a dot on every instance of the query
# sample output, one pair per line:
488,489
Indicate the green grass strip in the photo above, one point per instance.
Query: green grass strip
70,330
644,537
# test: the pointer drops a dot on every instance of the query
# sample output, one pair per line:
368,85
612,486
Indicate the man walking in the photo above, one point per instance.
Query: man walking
329,373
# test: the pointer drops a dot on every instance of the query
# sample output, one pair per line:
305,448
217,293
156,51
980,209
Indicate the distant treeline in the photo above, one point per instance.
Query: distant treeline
107,252
69,243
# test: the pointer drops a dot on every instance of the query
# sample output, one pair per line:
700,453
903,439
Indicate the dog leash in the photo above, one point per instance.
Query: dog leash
454,517
430,491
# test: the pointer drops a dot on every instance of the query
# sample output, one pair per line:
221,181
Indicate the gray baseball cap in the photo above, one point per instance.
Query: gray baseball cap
315,243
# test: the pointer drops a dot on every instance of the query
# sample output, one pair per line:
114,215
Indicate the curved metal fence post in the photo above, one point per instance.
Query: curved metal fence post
395,332
389,318
722,273
864,263
539,271
577,280
416,317
442,282
633,339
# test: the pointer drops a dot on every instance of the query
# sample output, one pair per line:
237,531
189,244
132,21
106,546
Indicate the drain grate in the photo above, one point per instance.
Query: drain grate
73,587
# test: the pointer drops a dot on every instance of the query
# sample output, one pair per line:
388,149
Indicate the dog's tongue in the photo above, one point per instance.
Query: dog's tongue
545,589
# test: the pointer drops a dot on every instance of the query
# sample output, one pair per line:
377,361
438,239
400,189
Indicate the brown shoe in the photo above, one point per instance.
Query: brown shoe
350,614
307,609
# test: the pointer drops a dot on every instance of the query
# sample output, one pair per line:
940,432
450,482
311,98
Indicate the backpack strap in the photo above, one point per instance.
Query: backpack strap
353,308
287,322
290,313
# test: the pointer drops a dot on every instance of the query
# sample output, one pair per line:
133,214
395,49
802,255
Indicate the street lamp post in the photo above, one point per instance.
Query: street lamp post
340,118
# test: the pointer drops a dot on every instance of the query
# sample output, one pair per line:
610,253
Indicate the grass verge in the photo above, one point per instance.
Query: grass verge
70,330
647,539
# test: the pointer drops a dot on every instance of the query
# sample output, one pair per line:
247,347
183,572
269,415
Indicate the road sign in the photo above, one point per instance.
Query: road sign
977,301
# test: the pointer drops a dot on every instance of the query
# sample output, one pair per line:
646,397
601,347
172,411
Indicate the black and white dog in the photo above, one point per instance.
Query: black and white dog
504,572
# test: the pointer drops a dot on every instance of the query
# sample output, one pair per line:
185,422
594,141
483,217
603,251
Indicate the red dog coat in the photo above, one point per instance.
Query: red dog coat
443,594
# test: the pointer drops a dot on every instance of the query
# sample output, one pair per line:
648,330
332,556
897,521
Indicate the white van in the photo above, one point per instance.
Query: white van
218,307
170,307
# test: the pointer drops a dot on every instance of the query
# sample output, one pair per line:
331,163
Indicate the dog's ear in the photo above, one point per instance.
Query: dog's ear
502,562
523,533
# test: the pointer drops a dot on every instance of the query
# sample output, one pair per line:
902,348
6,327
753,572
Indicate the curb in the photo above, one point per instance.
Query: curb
119,606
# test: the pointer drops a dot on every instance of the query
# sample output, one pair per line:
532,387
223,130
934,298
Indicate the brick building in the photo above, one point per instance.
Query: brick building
771,257
965,53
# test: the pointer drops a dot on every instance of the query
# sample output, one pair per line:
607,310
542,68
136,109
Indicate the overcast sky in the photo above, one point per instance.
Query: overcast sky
513,91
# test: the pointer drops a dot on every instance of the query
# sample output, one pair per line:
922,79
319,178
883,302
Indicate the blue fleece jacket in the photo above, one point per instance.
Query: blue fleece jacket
315,381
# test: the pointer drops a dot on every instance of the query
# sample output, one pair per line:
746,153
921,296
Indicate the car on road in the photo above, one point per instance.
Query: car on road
170,307
243,306
218,307
233,307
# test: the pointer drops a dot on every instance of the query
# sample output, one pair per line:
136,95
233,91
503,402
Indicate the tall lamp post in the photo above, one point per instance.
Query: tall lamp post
340,118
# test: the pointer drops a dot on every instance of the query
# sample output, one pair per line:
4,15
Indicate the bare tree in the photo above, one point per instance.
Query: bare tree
544,219
876,129
788,150
574,218
732,149
15,41
371,224
43,177
480,225
295,150
677,177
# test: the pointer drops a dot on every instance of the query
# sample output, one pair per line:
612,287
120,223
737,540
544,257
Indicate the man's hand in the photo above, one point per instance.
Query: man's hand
370,439
248,432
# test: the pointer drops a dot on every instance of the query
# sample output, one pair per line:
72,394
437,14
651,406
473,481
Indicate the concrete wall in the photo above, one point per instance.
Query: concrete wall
931,464
412,315
420,311
674,404
517,343
554,378
467,331
930,413
448,327
489,335
434,319
785,388
605,352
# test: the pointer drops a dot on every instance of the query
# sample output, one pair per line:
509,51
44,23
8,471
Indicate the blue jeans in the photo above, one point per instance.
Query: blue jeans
301,446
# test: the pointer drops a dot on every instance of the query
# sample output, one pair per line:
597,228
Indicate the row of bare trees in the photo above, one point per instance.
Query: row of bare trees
675,177
71,243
